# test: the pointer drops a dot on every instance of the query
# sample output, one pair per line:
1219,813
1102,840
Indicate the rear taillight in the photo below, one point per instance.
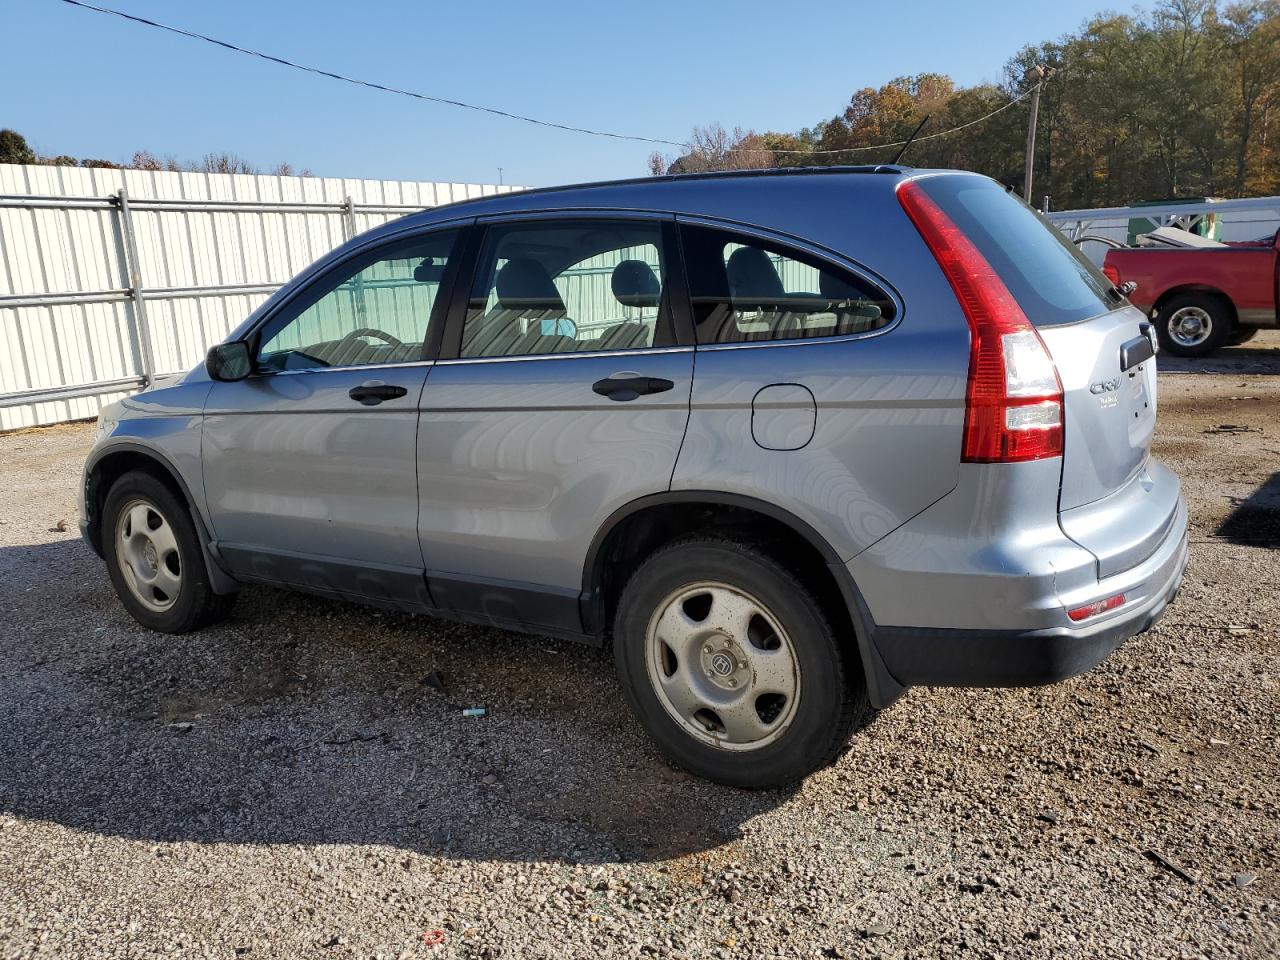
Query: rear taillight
1013,404
1111,273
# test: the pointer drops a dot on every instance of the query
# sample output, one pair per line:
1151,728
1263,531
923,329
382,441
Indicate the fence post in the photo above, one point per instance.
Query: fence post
133,270
349,216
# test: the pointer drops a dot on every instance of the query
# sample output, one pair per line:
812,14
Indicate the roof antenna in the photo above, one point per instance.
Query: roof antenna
911,138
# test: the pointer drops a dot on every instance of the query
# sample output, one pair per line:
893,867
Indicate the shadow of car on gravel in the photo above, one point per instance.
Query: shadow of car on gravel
1255,521
306,721
1242,359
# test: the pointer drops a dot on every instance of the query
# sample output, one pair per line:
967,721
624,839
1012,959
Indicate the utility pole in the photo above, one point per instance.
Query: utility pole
1036,74
499,176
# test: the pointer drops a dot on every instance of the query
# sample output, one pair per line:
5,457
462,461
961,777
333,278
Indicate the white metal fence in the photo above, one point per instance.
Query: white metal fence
111,277
1236,220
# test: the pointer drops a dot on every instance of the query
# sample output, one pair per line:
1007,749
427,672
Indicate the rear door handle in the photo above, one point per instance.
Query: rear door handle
373,392
630,387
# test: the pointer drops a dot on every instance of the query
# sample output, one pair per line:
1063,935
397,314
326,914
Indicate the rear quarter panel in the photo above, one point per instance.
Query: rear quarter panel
886,439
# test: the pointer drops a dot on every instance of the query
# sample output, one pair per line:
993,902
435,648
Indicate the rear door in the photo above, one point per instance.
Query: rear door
562,394
309,464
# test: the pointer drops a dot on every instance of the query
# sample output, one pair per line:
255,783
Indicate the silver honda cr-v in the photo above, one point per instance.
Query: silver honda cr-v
791,441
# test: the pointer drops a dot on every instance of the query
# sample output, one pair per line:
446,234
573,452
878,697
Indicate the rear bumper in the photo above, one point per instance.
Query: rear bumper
944,657
1012,658
974,590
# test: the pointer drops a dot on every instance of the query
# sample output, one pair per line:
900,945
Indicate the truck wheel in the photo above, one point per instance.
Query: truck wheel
1193,324
1241,335
154,558
730,665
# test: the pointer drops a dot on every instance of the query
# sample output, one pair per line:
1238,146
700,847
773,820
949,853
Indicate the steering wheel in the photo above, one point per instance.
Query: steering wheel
382,335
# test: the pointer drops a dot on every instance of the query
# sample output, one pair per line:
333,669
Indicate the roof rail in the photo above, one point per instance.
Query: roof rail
707,175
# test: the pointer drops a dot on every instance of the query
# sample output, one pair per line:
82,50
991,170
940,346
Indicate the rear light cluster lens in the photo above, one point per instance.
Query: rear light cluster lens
1013,403
1095,608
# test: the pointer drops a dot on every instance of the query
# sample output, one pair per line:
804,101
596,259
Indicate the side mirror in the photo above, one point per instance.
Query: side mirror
229,362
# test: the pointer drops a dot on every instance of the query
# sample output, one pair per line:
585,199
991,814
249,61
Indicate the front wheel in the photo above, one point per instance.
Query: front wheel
154,558
1193,324
731,666
1241,335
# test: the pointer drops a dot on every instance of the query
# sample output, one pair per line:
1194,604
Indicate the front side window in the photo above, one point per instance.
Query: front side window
743,289
567,287
375,310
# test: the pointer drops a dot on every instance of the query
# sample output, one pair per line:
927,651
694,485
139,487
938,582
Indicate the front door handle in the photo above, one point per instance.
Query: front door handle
373,392
630,387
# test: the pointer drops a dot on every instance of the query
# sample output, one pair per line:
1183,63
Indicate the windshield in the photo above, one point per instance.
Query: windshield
1050,278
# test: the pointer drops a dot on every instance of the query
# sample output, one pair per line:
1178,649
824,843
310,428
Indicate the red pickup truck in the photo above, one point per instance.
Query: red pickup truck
1205,297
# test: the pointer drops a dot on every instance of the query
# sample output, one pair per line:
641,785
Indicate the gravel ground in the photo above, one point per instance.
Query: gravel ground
293,784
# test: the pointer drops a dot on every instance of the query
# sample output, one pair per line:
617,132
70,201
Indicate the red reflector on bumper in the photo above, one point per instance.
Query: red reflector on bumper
1095,608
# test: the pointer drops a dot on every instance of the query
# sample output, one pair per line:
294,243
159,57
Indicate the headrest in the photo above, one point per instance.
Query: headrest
428,271
838,288
635,284
525,285
751,275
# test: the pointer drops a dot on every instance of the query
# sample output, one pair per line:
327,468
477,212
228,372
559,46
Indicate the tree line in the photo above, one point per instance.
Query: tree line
15,149
1181,101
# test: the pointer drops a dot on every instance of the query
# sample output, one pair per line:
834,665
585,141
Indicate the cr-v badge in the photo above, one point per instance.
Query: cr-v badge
1105,391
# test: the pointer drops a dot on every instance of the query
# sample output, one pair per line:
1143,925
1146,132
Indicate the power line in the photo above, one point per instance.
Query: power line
367,83
504,113
897,143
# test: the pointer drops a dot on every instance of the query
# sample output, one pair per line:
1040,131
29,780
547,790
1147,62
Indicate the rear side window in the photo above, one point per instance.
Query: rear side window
1050,278
566,287
743,289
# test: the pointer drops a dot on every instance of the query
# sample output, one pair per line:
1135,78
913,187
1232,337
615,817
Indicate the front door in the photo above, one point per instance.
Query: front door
309,463
562,396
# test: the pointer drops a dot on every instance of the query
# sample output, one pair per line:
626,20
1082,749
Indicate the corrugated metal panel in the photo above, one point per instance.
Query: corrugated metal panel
1246,219
59,251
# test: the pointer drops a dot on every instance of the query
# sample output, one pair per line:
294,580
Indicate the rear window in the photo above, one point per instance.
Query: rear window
1049,277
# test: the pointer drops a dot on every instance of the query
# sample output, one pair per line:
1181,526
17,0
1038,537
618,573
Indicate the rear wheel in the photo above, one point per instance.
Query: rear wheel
1193,324
731,666
154,558
1241,335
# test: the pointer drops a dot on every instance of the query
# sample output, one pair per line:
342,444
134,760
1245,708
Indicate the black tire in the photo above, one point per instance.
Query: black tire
1241,335
1206,310
194,604
832,696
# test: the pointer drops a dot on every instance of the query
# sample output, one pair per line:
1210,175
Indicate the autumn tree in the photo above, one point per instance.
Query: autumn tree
714,148
14,149
1250,35
1179,101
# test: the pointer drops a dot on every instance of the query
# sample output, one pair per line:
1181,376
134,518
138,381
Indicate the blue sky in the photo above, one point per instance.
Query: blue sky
102,87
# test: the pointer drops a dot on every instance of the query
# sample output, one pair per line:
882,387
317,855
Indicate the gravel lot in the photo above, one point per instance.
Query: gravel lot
292,784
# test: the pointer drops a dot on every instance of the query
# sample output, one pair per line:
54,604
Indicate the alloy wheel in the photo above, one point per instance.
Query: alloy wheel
1190,326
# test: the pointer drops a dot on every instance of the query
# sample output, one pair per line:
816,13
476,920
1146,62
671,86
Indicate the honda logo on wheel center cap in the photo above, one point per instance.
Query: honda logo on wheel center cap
722,664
